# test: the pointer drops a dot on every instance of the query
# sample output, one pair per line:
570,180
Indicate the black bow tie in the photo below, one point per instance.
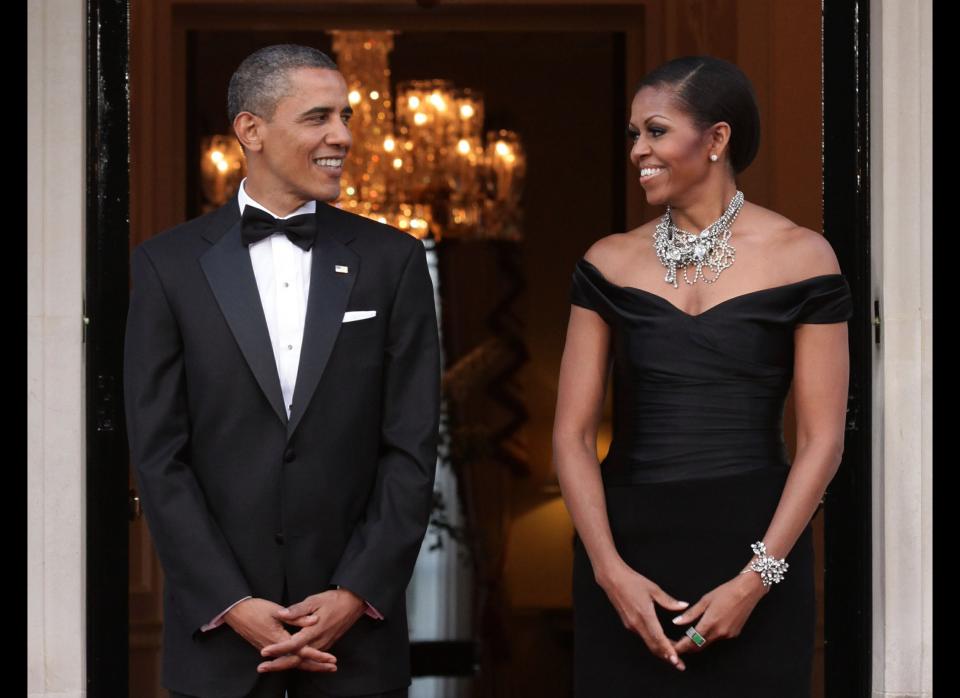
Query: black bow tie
258,225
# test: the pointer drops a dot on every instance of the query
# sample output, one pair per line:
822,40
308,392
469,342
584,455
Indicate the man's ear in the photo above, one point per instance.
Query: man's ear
249,130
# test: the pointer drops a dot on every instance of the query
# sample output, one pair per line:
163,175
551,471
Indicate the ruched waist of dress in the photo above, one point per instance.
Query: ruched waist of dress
672,455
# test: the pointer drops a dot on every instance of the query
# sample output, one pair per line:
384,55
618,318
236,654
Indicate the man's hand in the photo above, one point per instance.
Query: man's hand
256,621
323,619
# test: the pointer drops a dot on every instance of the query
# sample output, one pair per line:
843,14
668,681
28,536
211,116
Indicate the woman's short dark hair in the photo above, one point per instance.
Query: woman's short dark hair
709,90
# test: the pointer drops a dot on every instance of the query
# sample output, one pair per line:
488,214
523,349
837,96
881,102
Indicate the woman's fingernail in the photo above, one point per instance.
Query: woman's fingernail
683,603
678,620
674,660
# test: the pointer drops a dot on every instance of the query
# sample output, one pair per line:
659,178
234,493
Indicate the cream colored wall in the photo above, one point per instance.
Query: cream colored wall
901,209
55,448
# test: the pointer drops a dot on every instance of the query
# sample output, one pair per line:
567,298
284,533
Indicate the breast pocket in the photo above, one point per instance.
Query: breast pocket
360,341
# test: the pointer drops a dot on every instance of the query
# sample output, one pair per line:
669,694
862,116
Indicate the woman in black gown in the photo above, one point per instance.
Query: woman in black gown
701,335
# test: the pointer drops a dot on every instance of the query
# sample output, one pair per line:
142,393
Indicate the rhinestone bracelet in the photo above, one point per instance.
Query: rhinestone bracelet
770,568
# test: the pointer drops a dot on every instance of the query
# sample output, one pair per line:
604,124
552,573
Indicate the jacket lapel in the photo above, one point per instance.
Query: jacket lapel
230,274
329,293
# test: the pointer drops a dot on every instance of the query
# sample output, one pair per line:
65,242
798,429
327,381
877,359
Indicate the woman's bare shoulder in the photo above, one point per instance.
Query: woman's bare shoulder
806,252
809,253
610,252
606,249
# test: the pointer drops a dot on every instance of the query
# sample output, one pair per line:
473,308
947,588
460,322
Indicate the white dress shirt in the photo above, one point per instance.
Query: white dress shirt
283,278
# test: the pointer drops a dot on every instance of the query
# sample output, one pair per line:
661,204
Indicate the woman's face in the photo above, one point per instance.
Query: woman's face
671,153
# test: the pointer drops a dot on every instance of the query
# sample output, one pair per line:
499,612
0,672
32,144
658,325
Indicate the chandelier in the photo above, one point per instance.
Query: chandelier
424,164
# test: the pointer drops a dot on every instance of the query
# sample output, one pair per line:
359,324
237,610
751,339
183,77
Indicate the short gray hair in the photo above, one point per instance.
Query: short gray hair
262,80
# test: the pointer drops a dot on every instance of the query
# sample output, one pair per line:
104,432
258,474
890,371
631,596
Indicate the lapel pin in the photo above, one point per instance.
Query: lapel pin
340,269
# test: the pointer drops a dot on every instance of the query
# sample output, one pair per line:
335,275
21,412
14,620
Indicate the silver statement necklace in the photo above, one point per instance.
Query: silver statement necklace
678,248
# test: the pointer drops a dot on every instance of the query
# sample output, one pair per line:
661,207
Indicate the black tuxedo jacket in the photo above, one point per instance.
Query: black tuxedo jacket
242,501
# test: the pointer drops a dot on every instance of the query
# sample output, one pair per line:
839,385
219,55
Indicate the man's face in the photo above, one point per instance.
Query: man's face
305,142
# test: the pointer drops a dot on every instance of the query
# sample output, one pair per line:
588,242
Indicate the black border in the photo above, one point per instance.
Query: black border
846,219
105,309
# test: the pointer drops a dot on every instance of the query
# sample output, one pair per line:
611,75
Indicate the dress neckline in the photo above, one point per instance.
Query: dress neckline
632,289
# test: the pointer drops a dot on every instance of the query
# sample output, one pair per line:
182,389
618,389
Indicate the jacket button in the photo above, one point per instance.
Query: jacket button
289,455
278,537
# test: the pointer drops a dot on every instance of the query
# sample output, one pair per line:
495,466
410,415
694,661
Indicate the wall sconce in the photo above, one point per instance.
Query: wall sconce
222,168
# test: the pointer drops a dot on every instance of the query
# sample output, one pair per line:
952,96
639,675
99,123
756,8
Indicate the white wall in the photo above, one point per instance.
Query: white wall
901,194
55,439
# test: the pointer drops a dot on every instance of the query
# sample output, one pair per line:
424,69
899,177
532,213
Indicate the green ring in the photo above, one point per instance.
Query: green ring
697,638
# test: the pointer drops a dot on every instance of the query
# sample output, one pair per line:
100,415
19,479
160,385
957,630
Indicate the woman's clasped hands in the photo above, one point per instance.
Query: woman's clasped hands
719,614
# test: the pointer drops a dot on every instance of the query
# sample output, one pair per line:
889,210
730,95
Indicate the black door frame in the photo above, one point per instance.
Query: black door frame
848,581
846,195
106,289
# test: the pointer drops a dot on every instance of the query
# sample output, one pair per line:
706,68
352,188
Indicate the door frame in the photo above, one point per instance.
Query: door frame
106,290
846,202
848,530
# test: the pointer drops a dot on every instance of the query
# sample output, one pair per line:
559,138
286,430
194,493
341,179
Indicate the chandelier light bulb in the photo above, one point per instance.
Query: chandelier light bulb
463,146
419,118
502,149
389,144
216,156
437,101
354,97
414,102
466,111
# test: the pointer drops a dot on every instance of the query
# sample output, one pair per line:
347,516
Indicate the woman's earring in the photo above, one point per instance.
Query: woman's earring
713,157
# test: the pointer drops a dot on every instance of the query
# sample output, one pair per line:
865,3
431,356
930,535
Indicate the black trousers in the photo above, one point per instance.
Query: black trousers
274,685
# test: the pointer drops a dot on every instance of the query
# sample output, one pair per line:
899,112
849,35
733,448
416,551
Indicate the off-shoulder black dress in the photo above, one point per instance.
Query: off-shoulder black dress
693,476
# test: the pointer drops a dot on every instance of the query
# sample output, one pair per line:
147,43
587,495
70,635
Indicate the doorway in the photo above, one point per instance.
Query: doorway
159,107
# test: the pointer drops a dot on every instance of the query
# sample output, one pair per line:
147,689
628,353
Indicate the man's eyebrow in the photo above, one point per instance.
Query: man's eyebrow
324,111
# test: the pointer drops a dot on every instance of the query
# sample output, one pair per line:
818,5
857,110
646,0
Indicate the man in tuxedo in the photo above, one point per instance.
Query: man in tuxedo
282,395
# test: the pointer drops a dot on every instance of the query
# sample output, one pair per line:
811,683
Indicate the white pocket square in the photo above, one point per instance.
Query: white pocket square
352,315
